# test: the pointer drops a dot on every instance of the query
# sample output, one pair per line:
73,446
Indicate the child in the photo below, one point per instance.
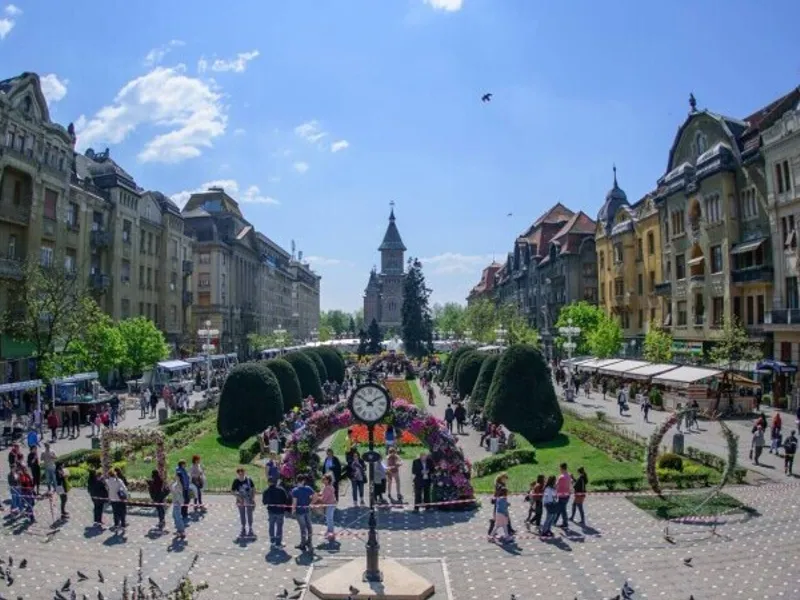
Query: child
535,498
501,518
327,498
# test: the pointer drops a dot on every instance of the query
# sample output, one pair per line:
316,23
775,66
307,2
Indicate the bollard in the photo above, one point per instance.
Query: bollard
677,443
163,413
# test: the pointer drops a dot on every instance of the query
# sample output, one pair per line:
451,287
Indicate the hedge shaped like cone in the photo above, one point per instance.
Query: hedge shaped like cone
522,397
307,374
467,369
452,361
333,361
480,390
287,379
321,370
250,402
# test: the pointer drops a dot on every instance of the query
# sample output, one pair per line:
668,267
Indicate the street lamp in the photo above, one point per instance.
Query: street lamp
569,332
314,335
208,334
280,333
500,334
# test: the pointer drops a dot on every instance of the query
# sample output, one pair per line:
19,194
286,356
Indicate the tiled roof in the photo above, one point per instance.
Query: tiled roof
392,239
761,119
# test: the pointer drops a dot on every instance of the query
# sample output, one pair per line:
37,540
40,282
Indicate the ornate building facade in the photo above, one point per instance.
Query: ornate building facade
383,297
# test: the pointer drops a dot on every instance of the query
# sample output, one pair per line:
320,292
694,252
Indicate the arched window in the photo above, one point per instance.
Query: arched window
602,261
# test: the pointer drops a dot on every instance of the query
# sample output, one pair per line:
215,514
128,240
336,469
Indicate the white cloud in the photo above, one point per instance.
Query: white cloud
251,195
300,166
235,65
190,108
322,261
7,23
451,263
310,131
445,5
239,131
340,145
13,11
53,88
156,55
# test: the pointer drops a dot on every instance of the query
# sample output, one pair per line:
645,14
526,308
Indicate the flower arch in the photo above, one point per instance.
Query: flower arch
452,470
137,437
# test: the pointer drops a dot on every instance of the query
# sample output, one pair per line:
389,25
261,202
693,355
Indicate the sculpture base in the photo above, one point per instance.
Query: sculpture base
398,583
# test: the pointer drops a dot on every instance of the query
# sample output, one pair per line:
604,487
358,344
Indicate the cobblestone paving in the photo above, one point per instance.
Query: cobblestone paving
750,558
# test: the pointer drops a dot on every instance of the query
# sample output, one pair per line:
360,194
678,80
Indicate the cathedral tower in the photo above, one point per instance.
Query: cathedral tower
383,298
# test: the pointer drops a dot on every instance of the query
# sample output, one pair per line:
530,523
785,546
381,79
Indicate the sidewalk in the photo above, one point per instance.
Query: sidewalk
708,439
469,441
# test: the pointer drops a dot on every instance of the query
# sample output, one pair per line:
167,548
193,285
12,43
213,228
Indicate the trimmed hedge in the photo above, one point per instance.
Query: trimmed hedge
250,402
289,382
334,363
452,361
322,371
249,449
467,370
671,461
504,461
480,390
715,462
307,374
522,396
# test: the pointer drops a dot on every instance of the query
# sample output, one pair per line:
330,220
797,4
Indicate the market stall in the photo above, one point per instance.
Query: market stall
15,391
650,370
595,364
621,368
685,384
780,377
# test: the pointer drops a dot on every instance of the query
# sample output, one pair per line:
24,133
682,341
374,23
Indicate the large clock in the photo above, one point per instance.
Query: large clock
369,403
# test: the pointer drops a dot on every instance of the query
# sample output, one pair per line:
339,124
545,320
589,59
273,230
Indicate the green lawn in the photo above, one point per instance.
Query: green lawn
678,506
416,392
549,455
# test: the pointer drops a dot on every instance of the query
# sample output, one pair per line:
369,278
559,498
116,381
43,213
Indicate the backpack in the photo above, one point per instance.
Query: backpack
790,445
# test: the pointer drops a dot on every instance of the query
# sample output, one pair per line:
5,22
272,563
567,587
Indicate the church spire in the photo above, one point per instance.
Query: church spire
392,239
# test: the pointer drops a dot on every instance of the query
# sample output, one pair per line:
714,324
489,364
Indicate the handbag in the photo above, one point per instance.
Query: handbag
122,494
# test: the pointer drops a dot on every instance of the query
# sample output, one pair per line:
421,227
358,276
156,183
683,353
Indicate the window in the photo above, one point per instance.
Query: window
639,249
682,313
204,258
737,309
12,247
652,315
97,221
157,248
147,212
222,281
125,277
126,232
618,252
157,279
149,278
751,317
72,215
716,259
713,208
669,269
717,310
783,178
786,352
700,143
602,293
141,309
652,281
602,260
155,313
173,315
792,300
149,243
641,284
126,308
680,266
173,281
651,243
70,261
141,276
678,223
788,232
760,309
50,202
204,299
749,203
46,255
142,241
641,318
619,287
204,280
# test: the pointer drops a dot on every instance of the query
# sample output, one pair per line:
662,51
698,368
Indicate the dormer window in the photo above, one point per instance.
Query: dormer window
700,143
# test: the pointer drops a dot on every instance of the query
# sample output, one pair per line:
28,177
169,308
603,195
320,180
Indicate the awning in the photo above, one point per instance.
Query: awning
684,376
174,365
748,246
20,386
195,359
571,362
598,363
650,370
776,366
622,367
696,260
75,378
233,355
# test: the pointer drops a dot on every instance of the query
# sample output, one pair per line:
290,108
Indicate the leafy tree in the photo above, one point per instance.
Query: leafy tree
734,345
606,339
358,320
467,370
517,329
250,401
262,341
144,344
102,347
522,397
307,374
374,335
584,315
336,320
325,332
363,340
480,390
322,371
658,346
49,308
452,317
452,363
417,327
481,318
288,381
351,327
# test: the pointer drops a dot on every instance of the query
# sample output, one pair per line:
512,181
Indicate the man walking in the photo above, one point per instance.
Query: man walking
461,417
302,494
49,462
421,469
245,491
789,450
185,482
449,416
277,501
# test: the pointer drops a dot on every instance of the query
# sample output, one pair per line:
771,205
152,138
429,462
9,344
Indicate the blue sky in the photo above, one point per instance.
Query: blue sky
258,94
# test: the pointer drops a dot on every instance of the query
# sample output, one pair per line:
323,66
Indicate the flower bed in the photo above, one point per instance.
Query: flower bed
360,435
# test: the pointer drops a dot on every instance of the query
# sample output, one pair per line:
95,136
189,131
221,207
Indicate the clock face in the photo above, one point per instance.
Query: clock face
369,403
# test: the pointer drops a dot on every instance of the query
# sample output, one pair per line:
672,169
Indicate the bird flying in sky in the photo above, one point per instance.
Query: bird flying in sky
486,97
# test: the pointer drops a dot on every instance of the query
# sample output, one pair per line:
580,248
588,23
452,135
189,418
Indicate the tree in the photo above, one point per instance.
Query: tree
288,382
522,397
452,318
517,329
262,341
374,335
363,340
336,320
144,344
325,332
102,347
358,320
469,365
49,307
606,339
584,315
452,362
351,327
480,390
307,374
481,318
417,327
658,346
322,371
250,402
734,345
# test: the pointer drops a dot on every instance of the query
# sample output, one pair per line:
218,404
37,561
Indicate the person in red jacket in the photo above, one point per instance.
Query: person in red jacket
26,492
52,424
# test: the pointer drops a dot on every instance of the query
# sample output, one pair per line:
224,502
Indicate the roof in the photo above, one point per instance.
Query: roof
686,375
623,367
765,118
556,214
392,239
649,370
165,203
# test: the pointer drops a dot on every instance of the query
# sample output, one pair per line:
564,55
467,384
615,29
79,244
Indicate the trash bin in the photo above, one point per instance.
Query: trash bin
95,443
163,413
677,443
494,445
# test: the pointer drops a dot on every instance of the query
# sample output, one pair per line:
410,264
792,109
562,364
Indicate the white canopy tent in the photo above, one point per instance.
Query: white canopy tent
621,368
650,370
576,360
77,378
685,376
597,363
22,386
173,365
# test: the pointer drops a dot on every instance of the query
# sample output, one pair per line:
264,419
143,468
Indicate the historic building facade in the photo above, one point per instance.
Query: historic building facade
383,297
629,264
484,289
781,150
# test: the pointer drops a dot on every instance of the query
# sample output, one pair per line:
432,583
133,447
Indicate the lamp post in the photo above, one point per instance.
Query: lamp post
569,332
314,335
280,333
500,334
208,333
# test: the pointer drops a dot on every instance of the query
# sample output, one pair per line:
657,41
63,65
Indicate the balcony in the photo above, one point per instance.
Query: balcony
757,274
18,213
10,268
99,282
783,316
188,298
188,267
664,288
697,280
26,156
699,320
100,239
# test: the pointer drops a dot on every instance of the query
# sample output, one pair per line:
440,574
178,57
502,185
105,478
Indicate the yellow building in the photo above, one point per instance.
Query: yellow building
628,243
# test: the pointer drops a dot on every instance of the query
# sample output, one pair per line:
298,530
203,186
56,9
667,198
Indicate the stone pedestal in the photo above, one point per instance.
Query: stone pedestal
399,583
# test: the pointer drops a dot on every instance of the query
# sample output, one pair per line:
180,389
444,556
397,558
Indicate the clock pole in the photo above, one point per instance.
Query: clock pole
373,572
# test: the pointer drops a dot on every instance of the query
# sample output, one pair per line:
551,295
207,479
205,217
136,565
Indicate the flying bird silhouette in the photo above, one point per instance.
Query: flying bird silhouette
486,97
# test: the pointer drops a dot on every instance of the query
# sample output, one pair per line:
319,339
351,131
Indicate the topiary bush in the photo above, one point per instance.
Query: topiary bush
467,369
670,460
522,397
322,371
250,401
452,361
334,363
307,374
483,382
249,449
287,379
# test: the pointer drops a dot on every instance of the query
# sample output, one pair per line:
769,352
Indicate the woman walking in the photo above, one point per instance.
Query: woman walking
535,498
357,474
35,468
579,487
99,495
157,488
117,495
501,518
550,502
393,464
327,498
62,488
198,477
